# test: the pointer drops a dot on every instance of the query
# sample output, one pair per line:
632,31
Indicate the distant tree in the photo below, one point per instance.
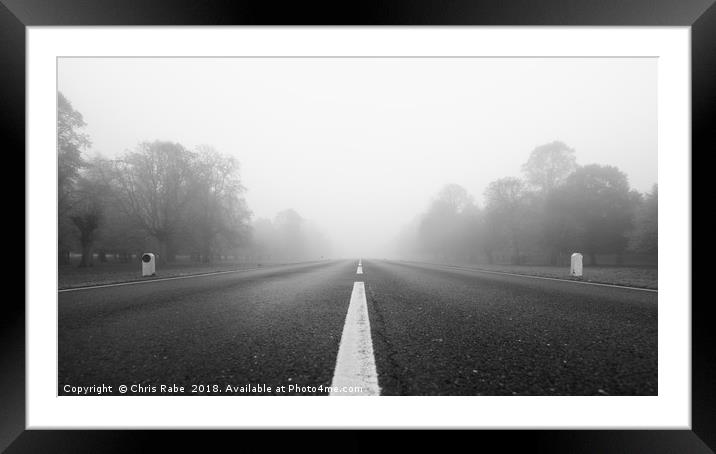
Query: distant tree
70,143
407,243
505,209
218,210
549,166
87,212
558,224
645,237
433,231
289,237
153,185
454,197
601,206
236,230
119,233
263,239
559,208
71,140
443,230
471,232
87,220
289,227
317,243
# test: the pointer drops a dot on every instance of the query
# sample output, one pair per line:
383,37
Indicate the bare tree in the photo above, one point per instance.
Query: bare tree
217,207
505,206
549,166
645,237
88,205
87,221
70,143
153,185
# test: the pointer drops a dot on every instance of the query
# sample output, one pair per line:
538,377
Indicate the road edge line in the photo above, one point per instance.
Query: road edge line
480,270
171,278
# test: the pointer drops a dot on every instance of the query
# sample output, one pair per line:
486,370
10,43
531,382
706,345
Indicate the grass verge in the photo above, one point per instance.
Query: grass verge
115,272
642,277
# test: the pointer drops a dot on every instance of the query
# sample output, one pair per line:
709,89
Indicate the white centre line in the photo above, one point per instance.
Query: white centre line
355,365
359,270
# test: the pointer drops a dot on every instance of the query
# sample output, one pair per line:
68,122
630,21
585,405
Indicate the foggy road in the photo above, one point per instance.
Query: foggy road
429,330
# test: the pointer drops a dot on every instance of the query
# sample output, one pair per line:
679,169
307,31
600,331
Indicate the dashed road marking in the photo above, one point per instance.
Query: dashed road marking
355,365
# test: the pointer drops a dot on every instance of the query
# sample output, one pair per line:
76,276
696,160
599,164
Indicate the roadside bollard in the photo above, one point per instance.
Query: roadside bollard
575,268
148,264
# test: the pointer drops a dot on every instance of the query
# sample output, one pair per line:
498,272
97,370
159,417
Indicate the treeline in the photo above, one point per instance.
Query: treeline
289,237
557,208
162,197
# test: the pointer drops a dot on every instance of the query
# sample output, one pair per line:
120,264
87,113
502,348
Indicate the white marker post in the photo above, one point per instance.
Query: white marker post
575,268
148,264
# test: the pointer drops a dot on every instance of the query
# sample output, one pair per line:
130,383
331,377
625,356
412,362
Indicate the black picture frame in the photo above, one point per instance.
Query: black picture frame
16,15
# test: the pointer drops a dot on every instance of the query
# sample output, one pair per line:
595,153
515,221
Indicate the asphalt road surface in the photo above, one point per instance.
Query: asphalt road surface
414,329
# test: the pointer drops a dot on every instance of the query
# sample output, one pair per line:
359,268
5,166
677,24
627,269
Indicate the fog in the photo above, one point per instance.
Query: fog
361,146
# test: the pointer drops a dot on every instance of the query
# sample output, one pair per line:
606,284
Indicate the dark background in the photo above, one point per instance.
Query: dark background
15,15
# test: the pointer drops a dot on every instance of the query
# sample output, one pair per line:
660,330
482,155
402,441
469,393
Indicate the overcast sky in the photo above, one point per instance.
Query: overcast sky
359,146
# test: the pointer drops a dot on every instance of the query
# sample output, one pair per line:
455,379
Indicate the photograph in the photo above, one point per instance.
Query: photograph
357,226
